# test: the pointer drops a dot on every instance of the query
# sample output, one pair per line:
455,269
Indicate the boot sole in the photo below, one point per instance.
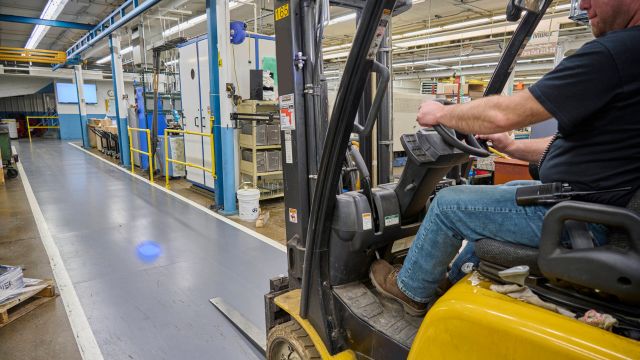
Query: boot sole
407,308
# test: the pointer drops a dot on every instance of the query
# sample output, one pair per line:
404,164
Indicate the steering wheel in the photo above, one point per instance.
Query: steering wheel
470,145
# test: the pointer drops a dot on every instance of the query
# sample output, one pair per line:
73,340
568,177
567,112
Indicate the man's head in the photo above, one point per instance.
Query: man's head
610,15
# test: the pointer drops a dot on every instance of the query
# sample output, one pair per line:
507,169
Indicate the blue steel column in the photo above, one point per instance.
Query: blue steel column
229,136
82,106
118,90
214,99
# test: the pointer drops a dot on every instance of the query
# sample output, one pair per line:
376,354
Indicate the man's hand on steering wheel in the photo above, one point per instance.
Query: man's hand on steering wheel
429,113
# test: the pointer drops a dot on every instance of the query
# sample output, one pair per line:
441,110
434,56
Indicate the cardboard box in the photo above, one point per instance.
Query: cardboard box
112,129
93,141
106,122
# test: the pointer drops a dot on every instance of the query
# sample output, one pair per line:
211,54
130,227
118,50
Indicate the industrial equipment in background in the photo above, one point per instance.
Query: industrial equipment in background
249,52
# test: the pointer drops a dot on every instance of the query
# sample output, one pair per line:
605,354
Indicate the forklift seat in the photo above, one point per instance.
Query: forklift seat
612,269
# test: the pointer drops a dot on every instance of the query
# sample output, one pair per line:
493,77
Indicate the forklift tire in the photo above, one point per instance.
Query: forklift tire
290,341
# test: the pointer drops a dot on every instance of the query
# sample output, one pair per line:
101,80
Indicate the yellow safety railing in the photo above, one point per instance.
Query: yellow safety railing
148,153
32,55
29,127
168,160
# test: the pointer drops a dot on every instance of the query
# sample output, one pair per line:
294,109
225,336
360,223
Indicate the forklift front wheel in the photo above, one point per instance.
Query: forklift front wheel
290,341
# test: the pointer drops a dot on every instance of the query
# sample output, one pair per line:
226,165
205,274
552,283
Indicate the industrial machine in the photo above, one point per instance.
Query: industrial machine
327,308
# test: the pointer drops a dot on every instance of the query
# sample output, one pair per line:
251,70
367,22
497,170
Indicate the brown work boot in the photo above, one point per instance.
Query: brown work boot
384,277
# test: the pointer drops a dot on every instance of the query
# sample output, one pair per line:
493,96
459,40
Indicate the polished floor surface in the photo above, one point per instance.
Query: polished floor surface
45,332
146,307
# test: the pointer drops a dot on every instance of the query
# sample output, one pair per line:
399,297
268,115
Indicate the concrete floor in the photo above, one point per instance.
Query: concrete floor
31,336
274,228
96,215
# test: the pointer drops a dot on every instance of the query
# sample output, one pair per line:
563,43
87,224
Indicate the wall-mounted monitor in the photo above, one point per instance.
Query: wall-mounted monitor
67,94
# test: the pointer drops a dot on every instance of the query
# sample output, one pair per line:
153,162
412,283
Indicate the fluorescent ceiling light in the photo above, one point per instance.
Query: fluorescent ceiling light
237,4
336,47
52,9
417,33
342,18
563,7
336,55
466,24
185,25
332,72
172,62
107,58
526,61
451,59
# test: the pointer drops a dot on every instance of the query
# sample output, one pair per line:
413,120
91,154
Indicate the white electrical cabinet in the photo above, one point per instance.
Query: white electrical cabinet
194,84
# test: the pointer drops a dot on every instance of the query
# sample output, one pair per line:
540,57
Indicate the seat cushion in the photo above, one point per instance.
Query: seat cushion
507,254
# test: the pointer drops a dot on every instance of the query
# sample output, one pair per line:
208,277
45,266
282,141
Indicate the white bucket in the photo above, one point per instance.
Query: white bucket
13,127
249,204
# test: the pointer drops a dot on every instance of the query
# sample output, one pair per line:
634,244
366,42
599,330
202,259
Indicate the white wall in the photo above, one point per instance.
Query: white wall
12,85
244,56
103,88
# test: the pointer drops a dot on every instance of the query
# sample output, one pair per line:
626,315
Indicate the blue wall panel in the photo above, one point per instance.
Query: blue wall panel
70,125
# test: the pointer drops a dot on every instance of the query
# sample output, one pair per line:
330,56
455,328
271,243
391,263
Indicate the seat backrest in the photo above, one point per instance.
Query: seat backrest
613,268
618,237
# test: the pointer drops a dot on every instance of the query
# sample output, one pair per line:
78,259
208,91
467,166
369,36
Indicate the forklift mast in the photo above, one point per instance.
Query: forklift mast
304,112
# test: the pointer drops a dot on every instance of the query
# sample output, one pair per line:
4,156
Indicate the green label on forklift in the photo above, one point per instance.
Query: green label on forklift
391,220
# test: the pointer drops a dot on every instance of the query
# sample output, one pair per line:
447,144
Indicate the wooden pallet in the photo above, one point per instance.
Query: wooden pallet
25,302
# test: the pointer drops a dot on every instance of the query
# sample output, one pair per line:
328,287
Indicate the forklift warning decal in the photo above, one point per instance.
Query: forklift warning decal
367,223
377,39
391,220
293,215
287,112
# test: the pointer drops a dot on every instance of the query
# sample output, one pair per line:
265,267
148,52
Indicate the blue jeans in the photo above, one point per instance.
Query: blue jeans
468,213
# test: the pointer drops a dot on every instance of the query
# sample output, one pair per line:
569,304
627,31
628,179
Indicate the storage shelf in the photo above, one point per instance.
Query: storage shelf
270,173
262,147
248,141
271,196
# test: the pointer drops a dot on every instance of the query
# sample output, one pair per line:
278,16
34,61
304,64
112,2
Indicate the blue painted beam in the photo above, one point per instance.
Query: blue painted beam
119,17
214,102
37,21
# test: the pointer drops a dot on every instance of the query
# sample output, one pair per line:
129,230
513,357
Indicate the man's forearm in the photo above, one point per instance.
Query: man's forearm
493,114
528,150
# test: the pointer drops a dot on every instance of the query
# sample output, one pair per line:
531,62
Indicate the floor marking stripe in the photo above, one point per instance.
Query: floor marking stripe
89,349
244,229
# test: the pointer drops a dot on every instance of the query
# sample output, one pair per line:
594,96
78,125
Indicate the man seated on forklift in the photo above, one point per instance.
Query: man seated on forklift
595,96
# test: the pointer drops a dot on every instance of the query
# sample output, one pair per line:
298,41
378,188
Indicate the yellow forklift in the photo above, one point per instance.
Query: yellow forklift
327,308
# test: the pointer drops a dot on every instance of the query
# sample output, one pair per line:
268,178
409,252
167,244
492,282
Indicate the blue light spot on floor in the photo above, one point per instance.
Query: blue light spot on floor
148,251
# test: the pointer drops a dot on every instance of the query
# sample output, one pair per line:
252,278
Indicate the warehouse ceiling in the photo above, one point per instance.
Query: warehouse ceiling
81,11
480,41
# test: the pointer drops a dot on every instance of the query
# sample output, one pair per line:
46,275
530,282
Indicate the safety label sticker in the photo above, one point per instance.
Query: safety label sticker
379,36
391,220
287,112
288,151
367,222
293,215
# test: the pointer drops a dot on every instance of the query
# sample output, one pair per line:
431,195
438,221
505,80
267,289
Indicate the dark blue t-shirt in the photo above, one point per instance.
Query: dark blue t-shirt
595,96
